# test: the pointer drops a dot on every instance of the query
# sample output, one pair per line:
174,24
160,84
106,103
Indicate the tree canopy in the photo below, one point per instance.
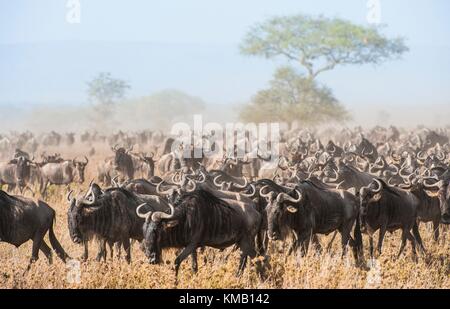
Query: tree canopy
106,90
319,44
292,96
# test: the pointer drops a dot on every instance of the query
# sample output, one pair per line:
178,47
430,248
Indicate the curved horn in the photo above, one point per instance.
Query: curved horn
194,185
143,216
421,156
262,194
334,179
86,159
90,188
333,150
115,182
69,199
285,197
215,181
282,167
203,177
380,186
158,190
437,184
250,194
94,198
440,155
159,215
241,186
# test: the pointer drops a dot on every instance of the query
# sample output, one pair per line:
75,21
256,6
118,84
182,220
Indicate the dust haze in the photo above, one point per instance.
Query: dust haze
161,110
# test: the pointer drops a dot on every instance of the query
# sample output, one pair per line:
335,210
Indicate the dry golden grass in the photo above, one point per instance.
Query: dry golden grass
217,269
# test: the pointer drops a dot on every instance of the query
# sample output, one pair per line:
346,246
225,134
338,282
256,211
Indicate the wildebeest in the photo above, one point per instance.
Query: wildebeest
16,172
123,161
201,219
62,173
429,206
443,194
109,215
350,177
312,209
387,208
22,219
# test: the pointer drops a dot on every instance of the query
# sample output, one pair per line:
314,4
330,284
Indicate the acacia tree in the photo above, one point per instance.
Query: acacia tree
320,44
104,92
292,96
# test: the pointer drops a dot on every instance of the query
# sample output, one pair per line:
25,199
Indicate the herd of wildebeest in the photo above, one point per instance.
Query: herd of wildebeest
351,182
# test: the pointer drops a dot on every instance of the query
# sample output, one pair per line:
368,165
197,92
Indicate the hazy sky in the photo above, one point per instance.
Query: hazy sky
192,45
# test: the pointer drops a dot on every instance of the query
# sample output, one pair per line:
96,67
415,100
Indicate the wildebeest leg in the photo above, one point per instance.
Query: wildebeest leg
316,243
111,249
247,247
436,230
44,189
101,250
242,264
371,246
403,244
47,252
183,255
37,241
417,237
381,238
304,240
85,255
413,245
260,248
194,261
119,250
330,243
345,237
127,248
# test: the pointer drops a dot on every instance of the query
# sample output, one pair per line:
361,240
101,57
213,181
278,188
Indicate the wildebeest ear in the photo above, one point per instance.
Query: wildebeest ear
376,197
14,161
291,209
432,193
170,223
353,191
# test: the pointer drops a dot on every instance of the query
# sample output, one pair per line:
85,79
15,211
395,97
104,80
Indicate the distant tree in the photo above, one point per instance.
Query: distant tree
319,44
159,110
106,90
292,96
316,45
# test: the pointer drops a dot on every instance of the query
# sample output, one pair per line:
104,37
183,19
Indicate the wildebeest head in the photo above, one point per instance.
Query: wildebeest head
155,223
278,207
80,166
174,192
150,161
74,219
123,161
233,166
22,171
444,196
75,212
369,195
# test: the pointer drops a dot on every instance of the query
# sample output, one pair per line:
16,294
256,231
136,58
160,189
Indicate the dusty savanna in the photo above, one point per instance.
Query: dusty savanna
217,269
